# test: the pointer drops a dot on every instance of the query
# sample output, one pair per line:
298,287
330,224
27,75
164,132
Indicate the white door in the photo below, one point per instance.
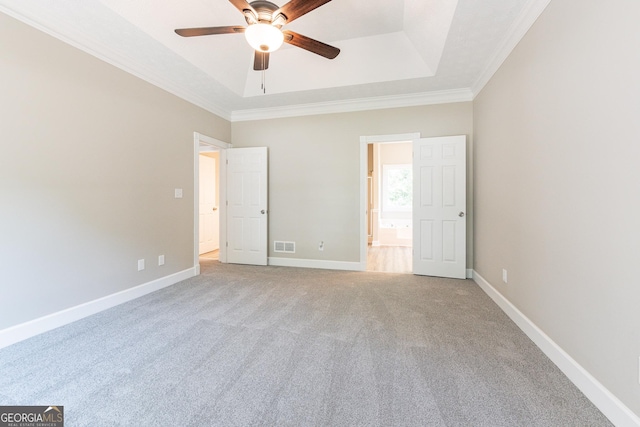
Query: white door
439,206
209,214
247,205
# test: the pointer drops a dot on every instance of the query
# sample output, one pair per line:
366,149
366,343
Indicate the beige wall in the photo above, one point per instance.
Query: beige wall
396,154
89,160
314,171
215,155
557,181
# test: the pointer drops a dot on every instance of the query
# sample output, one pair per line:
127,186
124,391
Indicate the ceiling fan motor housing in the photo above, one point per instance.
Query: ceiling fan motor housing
264,9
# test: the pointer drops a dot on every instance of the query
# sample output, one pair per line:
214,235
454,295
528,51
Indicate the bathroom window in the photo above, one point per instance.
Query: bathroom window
397,188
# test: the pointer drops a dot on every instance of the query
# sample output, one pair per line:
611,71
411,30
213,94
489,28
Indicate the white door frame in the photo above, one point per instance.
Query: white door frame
364,141
204,143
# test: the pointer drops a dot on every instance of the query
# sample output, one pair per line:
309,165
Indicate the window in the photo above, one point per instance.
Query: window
397,188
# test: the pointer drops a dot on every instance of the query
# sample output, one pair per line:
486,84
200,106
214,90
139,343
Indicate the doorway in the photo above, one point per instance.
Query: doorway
209,202
245,240
439,206
207,146
387,238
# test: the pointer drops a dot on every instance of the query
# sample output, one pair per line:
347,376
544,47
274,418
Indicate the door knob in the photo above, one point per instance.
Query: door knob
262,211
215,208
461,214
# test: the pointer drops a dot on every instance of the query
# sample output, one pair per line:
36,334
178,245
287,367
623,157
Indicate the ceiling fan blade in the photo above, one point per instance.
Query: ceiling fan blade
310,44
296,8
243,5
206,31
261,61
247,10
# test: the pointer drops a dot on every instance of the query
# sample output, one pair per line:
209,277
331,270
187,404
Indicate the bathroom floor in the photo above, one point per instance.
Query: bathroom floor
390,259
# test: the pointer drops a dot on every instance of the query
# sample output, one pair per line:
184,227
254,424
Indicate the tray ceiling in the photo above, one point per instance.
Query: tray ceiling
395,52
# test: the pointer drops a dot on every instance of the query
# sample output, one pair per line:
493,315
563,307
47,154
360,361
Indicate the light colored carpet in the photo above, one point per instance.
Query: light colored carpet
266,346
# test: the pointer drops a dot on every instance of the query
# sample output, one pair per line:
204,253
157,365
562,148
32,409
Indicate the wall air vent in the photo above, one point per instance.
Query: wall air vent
279,246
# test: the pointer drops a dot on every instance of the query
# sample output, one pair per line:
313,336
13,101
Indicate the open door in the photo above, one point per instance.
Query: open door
439,206
247,205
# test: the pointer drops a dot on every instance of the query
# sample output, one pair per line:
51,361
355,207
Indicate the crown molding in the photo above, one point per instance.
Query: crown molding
60,30
517,31
351,105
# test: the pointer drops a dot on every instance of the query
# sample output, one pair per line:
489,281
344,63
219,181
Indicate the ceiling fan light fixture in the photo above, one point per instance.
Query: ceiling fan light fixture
264,37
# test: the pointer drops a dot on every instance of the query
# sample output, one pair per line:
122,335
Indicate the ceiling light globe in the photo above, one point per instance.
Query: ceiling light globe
264,37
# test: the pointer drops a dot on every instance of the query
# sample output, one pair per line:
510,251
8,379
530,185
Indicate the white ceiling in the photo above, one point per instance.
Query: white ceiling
393,52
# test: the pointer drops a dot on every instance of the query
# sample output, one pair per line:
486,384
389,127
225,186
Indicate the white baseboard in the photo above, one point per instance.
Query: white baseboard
51,321
601,397
328,265
315,263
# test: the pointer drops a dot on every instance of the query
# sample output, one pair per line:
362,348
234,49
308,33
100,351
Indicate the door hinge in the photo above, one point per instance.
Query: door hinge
227,244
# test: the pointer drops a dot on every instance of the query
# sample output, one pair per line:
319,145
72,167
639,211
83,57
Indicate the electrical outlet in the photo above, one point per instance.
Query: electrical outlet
178,193
321,246
140,264
161,260
504,275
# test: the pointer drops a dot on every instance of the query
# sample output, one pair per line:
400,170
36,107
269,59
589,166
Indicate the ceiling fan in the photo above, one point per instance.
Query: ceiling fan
264,31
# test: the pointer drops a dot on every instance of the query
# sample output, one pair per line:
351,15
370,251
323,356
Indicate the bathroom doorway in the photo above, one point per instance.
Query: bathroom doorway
389,207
